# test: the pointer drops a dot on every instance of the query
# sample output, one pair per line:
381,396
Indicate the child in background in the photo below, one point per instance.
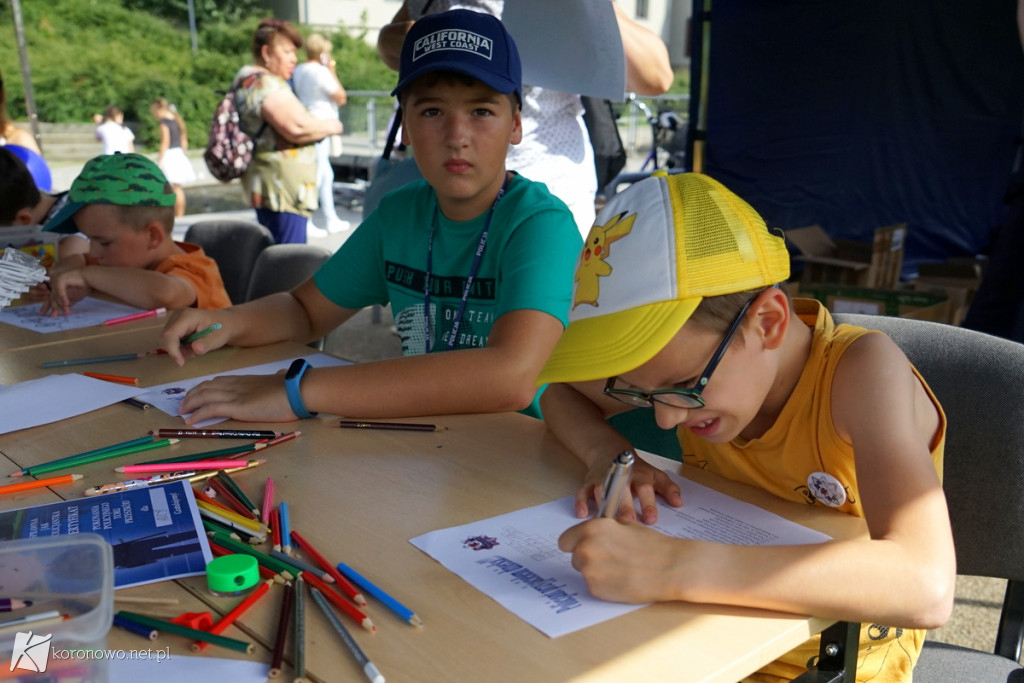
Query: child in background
125,206
173,142
475,261
111,131
677,271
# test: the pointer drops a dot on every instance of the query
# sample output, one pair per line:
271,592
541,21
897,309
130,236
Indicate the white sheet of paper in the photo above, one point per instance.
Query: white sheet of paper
55,397
514,558
85,313
161,668
569,45
167,397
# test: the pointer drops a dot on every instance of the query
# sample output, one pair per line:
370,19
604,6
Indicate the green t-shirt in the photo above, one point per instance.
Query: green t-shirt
528,263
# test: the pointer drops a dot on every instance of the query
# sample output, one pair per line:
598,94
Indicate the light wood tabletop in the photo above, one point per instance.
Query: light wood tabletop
360,495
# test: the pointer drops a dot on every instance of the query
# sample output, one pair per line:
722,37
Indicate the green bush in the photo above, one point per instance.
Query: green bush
87,54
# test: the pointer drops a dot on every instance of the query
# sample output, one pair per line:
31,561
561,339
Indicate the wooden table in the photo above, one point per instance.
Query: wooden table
13,338
359,496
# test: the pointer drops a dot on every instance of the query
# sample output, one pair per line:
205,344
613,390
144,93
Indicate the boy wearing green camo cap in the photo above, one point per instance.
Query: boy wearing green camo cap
125,206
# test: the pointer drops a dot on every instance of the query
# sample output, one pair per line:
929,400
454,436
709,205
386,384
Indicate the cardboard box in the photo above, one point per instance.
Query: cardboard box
958,279
902,303
849,262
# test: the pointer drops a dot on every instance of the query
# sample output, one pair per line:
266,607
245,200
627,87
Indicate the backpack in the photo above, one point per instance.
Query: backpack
229,148
609,152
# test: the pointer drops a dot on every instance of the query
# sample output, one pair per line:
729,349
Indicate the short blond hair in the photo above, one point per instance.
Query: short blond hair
317,45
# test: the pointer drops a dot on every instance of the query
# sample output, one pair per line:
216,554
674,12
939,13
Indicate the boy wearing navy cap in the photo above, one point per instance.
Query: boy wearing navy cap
125,206
473,260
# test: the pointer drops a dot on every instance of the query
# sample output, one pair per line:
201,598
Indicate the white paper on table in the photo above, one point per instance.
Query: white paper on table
167,397
162,667
514,558
56,397
85,313
569,45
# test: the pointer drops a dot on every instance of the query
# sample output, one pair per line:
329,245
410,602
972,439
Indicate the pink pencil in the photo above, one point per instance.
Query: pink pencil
268,500
175,466
135,316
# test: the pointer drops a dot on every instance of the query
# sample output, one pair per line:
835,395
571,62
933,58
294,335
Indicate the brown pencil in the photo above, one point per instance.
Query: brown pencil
282,630
401,426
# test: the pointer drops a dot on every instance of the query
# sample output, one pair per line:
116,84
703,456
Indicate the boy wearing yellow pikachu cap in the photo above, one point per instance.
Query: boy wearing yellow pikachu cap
680,307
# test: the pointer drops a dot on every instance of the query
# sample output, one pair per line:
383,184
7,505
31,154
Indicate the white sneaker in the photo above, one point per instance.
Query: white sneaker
338,225
314,232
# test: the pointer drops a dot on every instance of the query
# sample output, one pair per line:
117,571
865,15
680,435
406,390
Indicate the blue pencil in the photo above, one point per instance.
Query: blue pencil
388,601
286,534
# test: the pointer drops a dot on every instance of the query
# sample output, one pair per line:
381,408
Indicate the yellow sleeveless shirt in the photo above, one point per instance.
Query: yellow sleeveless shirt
801,450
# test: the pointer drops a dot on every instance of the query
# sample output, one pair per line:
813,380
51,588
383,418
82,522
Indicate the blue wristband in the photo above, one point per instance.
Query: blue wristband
292,381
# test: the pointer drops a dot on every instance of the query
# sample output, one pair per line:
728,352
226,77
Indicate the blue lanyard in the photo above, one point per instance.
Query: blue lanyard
474,269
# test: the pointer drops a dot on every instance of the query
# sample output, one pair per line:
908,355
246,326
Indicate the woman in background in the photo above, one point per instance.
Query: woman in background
173,142
317,86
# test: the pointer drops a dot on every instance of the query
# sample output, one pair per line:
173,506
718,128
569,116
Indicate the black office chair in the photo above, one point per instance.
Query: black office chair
281,267
977,379
234,245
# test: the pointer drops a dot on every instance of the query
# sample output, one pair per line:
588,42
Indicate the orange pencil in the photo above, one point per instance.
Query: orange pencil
134,381
331,570
40,483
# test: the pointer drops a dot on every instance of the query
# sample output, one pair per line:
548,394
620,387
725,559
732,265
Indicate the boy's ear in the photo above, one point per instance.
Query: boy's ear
517,126
772,314
24,217
155,234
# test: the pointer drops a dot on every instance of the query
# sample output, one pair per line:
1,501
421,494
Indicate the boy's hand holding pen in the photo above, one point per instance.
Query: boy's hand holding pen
616,485
184,329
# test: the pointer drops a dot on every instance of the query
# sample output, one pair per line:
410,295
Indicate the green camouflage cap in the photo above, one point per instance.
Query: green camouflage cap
122,179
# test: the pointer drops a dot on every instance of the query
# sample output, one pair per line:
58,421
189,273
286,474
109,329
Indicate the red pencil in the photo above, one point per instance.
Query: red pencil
339,578
229,500
230,617
275,528
339,602
135,316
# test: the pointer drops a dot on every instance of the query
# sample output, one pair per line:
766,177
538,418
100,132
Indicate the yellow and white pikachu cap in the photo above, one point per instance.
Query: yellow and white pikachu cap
655,251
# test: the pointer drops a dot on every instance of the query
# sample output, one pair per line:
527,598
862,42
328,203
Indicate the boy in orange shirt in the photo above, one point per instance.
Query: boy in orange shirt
125,206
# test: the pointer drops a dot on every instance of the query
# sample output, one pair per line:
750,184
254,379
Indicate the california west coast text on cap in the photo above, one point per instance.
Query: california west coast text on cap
449,39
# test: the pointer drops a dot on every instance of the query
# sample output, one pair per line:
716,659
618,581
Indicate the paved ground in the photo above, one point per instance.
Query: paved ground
365,338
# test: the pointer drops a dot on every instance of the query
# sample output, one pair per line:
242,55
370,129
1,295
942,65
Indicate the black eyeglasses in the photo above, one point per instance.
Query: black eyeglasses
679,398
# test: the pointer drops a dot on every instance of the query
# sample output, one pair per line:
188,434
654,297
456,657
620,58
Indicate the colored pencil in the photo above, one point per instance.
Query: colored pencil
227,498
147,632
136,403
376,592
301,565
217,433
238,493
139,483
71,458
177,466
203,476
369,668
257,527
190,633
117,379
144,600
344,583
268,499
286,528
401,426
12,604
229,618
135,316
128,450
340,602
275,528
37,620
283,622
40,483
201,333
299,630
287,570
232,452
94,359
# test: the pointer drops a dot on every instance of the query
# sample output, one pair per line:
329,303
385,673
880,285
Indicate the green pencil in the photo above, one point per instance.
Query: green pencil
190,633
71,458
206,455
50,467
267,561
202,333
233,486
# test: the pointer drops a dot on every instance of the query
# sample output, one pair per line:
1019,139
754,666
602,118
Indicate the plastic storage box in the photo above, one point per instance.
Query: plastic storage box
73,575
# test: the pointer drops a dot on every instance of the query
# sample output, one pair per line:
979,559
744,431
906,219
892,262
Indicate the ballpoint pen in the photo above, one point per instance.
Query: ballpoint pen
616,484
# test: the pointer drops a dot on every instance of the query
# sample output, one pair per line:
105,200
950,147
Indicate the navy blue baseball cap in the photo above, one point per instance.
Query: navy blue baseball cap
466,42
